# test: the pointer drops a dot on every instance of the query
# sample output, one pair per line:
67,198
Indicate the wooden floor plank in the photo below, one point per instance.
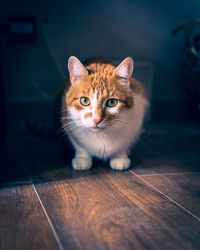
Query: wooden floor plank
105,209
23,224
183,189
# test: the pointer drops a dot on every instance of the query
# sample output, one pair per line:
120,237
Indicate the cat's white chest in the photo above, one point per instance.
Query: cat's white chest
101,144
116,139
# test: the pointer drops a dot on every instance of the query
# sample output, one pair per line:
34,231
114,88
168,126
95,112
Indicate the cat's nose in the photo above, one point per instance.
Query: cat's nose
96,120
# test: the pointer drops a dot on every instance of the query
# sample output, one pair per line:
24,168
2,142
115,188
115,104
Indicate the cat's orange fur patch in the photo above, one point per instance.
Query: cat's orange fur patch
88,115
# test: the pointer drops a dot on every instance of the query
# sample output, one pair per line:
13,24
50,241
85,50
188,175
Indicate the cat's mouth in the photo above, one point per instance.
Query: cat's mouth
96,128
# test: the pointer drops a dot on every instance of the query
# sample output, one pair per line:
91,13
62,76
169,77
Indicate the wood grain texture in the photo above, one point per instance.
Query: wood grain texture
23,224
182,188
105,209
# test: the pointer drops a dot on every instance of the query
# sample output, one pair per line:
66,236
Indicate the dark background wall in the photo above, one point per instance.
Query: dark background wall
116,29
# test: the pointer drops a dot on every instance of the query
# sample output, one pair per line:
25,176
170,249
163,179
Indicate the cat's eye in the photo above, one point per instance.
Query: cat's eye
112,102
85,101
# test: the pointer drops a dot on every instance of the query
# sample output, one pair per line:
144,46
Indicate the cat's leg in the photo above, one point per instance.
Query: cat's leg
82,160
120,161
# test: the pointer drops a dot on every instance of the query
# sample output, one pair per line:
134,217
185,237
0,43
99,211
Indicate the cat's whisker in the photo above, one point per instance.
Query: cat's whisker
60,131
62,128
61,111
68,119
61,137
66,131
119,120
68,126
69,123
114,122
119,127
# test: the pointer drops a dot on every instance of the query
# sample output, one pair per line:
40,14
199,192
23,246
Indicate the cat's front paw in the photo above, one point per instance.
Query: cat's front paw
120,163
81,163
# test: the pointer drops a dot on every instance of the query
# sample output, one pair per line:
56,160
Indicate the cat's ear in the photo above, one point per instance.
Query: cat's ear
76,69
125,69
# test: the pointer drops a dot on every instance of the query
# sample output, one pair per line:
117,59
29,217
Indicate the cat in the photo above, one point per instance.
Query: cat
103,110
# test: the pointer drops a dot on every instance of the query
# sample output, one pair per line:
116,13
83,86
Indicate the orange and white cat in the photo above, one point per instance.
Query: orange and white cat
102,111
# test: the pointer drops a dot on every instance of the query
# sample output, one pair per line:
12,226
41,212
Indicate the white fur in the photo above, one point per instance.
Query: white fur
120,163
106,142
94,103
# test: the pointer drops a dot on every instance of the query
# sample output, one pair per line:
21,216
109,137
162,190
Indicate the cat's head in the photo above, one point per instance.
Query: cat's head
99,93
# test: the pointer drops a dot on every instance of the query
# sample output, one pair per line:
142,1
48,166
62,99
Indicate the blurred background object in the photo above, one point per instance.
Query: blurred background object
2,109
21,28
191,59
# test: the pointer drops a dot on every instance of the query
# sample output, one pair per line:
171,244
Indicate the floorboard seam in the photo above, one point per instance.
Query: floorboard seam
177,204
60,246
48,219
163,174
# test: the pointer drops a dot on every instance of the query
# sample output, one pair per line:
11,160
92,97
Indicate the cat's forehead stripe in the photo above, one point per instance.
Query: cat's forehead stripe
96,93
95,101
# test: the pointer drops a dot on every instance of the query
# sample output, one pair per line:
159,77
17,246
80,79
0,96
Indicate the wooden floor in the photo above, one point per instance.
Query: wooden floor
44,204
